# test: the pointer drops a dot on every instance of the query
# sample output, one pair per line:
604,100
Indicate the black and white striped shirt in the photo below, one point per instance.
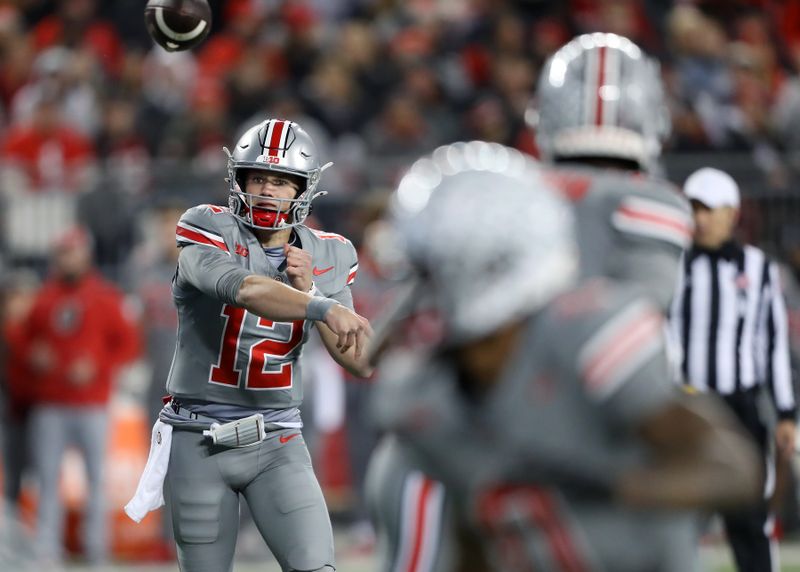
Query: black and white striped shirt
729,320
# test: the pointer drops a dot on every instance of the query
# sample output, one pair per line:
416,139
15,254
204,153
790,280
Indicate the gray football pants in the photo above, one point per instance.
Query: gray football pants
412,514
203,486
52,429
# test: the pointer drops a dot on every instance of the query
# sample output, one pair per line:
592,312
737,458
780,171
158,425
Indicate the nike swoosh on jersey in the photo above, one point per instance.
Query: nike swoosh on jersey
287,438
321,271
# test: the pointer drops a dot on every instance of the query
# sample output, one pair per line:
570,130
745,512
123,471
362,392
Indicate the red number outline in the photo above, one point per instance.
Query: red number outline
259,378
257,375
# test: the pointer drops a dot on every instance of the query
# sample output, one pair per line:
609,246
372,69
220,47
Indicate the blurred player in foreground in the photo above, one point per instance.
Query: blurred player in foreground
601,119
252,280
548,414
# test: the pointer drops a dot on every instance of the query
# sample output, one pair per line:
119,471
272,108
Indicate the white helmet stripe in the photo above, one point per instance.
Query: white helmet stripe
284,142
590,87
611,76
268,135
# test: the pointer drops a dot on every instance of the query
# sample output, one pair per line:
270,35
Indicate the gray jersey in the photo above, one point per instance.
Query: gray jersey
225,354
630,227
531,465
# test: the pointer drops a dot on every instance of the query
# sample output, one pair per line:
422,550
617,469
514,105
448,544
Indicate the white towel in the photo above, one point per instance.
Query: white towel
149,493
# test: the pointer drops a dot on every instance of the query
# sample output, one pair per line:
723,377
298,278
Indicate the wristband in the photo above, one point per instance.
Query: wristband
313,290
318,307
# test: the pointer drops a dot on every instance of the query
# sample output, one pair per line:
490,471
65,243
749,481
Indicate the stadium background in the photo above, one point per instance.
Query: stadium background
101,128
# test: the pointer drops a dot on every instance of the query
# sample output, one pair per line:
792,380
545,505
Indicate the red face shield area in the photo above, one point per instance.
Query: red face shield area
266,218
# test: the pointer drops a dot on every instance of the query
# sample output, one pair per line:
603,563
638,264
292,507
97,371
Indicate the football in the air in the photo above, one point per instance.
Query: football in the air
177,25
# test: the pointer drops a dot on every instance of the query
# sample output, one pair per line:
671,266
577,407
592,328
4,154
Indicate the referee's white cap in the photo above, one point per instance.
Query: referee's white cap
713,188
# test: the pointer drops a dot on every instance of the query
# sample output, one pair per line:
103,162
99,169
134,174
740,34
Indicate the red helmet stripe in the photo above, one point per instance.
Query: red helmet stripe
276,137
601,78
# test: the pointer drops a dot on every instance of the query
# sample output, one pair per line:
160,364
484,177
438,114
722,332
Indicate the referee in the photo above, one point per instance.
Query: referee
729,318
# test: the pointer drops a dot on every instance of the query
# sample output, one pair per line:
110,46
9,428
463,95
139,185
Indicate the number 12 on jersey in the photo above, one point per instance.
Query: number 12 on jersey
266,367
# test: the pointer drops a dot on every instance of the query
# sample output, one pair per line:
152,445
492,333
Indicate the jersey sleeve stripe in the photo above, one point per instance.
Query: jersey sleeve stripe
619,349
184,233
649,218
351,277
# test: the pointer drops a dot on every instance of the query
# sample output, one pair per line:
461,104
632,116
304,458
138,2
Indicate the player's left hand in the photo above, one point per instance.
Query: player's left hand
785,436
298,267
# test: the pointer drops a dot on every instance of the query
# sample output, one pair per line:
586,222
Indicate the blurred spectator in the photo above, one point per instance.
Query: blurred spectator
122,147
400,128
302,43
149,278
489,119
16,51
168,81
108,213
252,81
69,76
333,96
126,17
198,134
78,335
76,25
624,17
359,48
702,78
514,78
18,292
46,154
423,84
239,32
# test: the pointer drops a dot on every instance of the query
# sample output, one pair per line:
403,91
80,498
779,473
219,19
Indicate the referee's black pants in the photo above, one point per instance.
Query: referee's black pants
746,529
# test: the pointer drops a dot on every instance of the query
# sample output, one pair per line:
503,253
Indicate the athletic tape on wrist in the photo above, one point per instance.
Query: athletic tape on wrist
318,307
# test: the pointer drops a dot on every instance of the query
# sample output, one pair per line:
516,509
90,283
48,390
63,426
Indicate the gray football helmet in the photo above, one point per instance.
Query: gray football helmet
284,147
491,241
600,96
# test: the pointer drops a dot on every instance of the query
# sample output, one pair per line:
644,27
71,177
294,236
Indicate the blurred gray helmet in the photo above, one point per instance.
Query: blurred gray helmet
489,238
601,96
283,147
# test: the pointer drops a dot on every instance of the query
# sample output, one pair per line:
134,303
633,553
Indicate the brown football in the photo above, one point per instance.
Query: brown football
177,25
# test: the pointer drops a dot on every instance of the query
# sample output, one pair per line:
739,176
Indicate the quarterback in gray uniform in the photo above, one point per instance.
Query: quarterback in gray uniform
601,118
548,413
251,282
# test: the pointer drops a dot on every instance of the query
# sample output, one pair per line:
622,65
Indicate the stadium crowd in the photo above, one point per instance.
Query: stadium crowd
101,128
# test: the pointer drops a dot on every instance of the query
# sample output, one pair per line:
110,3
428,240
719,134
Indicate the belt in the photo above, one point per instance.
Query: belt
268,426
183,412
